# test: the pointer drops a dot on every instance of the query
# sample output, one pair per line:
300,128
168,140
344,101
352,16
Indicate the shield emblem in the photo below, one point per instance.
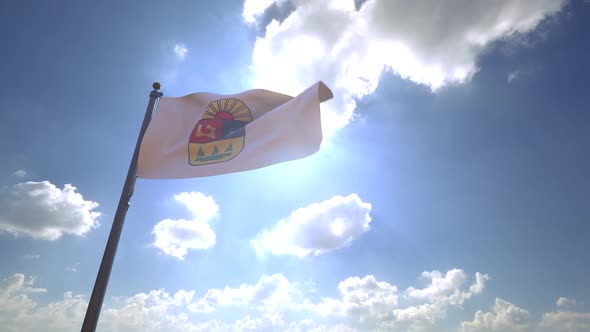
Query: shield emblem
220,134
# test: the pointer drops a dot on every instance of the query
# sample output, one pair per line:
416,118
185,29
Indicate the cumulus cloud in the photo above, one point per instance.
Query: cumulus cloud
254,8
43,211
377,303
565,321
271,304
18,312
361,298
270,291
439,285
176,237
513,75
564,302
154,311
440,294
308,325
317,229
32,256
180,50
20,173
505,317
73,267
348,48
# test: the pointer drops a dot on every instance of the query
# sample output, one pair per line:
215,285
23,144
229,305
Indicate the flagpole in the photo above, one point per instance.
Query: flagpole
102,278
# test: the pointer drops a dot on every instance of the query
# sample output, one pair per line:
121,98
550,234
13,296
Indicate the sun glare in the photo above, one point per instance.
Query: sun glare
337,227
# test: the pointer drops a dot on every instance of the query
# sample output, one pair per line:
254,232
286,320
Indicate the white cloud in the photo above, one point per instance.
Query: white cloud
32,256
73,267
270,292
479,284
154,311
441,293
43,211
565,321
267,322
176,237
180,50
151,311
564,302
308,325
505,317
362,299
21,173
19,313
317,229
18,284
439,285
431,44
513,75
365,304
254,8
201,206
376,303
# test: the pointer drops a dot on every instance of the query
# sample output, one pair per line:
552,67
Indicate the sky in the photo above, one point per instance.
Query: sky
449,194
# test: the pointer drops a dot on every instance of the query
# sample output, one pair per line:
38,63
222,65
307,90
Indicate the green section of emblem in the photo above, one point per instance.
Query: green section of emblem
215,157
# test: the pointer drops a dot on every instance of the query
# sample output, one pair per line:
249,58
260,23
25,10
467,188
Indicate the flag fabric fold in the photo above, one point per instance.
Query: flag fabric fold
207,134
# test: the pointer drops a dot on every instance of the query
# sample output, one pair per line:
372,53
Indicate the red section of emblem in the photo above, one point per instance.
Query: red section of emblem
207,130
223,115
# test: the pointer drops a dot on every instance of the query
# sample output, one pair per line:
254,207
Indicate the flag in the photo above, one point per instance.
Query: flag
206,134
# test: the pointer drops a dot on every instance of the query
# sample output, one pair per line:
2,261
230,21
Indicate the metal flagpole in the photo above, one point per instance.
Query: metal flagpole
102,278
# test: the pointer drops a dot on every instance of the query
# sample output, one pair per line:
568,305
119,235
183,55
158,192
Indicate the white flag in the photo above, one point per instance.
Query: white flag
206,134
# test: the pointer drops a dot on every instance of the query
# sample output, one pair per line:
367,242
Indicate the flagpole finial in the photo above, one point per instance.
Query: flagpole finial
156,86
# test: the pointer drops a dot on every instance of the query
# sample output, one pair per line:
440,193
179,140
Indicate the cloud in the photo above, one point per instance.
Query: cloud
32,256
362,298
73,267
176,237
180,50
564,302
254,8
505,317
439,285
349,49
565,321
270,292
43,211
440,294
20,173
317,229
376,303
308,325
267,322
273,303
154,311
513,75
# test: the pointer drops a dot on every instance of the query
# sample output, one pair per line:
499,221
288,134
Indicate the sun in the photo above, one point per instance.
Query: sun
228,109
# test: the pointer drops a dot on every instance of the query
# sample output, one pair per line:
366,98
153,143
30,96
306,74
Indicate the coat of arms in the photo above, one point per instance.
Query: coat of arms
220,134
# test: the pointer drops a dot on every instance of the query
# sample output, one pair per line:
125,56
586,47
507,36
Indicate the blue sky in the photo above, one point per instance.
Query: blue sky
455,155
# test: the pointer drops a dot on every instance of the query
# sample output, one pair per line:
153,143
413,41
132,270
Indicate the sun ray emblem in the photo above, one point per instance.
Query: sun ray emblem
220,134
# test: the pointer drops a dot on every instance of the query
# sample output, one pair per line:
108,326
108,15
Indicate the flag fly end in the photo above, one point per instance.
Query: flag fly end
324,93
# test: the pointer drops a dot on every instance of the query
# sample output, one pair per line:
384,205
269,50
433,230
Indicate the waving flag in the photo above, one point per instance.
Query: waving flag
206,134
